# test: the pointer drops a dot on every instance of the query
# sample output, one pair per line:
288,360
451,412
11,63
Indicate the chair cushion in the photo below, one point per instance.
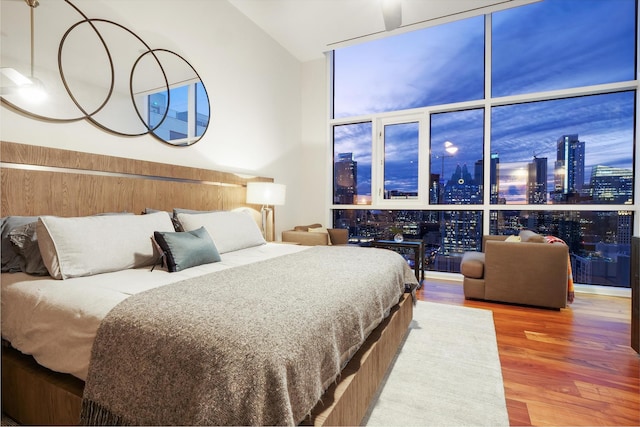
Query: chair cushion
472,265
306,227
530,236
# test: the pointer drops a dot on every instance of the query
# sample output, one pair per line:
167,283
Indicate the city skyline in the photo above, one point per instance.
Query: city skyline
540,141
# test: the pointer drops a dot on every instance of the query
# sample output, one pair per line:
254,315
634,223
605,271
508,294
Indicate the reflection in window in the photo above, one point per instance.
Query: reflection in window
202,109
352,164
174,125
456,157
187,113
411,70
401,143
574,150
599,241
446,234
568,44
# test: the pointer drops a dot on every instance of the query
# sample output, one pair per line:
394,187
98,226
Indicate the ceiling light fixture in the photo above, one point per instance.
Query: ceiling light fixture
14,82
392,14
35,91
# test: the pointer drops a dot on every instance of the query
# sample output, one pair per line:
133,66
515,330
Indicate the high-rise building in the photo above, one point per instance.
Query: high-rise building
461,231
624,228
493,177
611,185
478,173
345,179
569,168
461,188
537,181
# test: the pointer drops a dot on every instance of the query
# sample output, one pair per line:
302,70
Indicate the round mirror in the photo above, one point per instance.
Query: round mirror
100,71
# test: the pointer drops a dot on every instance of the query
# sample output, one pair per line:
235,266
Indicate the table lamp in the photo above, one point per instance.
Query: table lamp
266,194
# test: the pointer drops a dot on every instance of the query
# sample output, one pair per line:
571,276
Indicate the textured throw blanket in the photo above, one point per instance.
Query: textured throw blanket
570,287
251,345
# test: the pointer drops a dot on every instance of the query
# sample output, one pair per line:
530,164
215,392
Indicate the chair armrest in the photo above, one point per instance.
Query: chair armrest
338,236
305,238
527,273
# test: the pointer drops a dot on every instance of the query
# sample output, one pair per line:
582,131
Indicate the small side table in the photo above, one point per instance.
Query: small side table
418,251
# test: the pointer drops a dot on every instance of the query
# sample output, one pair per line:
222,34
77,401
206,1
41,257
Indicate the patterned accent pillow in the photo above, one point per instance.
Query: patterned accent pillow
25,243
12,262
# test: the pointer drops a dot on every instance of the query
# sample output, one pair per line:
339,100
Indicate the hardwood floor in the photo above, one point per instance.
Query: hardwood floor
572,367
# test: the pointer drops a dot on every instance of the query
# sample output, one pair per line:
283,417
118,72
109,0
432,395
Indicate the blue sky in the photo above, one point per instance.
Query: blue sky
554,44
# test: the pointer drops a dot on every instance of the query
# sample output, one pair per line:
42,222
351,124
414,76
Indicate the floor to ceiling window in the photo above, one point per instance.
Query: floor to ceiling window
526,116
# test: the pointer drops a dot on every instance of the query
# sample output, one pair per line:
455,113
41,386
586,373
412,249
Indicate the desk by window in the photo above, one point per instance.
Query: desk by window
418,250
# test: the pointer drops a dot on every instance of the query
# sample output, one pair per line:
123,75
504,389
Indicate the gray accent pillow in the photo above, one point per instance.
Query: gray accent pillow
11,261
186,249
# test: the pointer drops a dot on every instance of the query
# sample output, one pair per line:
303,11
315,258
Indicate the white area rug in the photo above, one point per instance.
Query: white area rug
447,372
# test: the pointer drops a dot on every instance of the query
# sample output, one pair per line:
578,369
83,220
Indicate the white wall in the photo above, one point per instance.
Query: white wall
313,187
254,86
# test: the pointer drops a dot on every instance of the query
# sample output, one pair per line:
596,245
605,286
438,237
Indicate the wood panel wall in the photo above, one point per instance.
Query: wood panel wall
47,181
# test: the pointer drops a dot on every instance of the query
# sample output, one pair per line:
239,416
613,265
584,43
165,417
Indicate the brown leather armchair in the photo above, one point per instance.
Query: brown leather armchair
528,272
315,234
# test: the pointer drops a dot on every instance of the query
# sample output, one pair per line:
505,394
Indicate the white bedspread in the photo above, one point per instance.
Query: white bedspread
56,321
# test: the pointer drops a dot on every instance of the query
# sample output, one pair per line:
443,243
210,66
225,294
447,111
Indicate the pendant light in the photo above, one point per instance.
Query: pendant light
13,81
392,14
35,91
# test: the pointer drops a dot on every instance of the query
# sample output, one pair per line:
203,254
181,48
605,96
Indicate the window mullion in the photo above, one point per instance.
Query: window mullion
191,116
487,161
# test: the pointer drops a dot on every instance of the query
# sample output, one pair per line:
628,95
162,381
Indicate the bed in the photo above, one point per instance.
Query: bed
54,185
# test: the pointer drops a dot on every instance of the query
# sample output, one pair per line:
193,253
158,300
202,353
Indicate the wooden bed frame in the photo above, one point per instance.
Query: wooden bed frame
39,180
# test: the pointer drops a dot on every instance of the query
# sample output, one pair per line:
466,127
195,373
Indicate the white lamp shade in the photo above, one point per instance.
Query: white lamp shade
266,193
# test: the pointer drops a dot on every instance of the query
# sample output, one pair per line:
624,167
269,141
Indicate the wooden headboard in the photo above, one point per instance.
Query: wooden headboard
48,181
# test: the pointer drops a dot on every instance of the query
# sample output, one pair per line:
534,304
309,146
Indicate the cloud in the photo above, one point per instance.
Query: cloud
604,122
560,44
407,70
538,47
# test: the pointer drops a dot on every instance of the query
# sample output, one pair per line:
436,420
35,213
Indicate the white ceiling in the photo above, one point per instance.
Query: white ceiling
307,28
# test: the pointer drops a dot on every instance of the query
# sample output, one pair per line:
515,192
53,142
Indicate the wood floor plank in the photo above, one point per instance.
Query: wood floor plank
518,412
568,367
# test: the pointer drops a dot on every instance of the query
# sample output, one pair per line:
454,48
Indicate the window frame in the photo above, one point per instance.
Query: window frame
378,164
487,104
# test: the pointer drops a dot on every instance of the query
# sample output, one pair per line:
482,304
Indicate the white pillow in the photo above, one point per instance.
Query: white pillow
84,246
229,230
